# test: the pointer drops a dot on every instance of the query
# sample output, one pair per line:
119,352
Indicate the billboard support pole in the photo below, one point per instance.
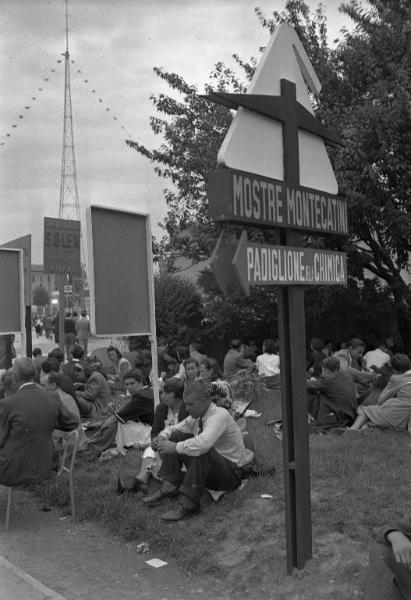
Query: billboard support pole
29,338
61,312
153,335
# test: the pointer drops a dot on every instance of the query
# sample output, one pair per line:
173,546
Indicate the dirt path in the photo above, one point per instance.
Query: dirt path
85,562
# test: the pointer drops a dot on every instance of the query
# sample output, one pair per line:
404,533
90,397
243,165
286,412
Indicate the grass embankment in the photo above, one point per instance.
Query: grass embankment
359,481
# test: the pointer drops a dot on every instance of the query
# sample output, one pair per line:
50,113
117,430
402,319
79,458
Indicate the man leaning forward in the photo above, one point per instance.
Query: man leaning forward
209,444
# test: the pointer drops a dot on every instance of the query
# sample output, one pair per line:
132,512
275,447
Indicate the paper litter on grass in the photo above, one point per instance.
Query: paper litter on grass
156,562
215,494
266,496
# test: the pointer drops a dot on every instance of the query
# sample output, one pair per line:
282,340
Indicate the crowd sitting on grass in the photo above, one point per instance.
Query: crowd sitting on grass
347,390
192,441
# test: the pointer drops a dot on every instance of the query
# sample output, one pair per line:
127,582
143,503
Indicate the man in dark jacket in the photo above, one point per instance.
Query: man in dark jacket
27,420
140,408
337,401
389,576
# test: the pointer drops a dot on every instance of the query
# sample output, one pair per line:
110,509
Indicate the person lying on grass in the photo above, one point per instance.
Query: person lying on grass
394,403
169,412
389,574
210,445
131,425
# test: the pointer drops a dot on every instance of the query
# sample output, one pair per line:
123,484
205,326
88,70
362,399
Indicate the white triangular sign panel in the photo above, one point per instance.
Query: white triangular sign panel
254,143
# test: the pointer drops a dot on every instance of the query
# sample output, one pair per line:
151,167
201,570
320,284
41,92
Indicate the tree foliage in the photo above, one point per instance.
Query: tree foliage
41,297
366,87
247,317
178,309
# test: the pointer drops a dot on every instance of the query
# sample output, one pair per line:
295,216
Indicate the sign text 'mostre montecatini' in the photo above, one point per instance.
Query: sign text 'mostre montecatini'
237,196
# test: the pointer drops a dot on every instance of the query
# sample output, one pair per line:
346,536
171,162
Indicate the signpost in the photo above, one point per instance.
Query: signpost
275,152
61,256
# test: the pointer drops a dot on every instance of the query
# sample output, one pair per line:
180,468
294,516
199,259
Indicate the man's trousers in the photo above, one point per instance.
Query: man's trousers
209,470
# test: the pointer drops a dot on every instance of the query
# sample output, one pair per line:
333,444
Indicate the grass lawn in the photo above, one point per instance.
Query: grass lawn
359,481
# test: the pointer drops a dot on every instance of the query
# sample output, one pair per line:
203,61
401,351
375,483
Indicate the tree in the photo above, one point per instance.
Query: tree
178,309
366,93
41,297
366,90
238,316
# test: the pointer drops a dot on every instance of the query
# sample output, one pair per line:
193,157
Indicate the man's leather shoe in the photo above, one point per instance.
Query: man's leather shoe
183,511
160,495
131,484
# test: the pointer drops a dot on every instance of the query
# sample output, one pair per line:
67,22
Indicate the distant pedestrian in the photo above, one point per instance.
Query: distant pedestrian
69,334
56,328
48,326
38,326
83,331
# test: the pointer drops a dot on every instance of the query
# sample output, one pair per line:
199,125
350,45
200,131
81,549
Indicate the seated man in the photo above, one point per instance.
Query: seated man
210,445
38,359
389,574
234,361
53,384
123,423
315,357
51,365
351,356
337,400
67,368
27,420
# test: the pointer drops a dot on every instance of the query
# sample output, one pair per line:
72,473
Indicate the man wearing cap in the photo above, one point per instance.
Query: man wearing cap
209,444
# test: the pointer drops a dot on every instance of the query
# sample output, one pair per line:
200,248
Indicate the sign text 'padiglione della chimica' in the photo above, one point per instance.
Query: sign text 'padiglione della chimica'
260,264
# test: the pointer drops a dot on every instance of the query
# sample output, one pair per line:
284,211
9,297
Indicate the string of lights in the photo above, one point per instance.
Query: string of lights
10,130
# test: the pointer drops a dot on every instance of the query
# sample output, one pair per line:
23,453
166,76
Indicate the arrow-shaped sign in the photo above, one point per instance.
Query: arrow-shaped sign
221,263
260,264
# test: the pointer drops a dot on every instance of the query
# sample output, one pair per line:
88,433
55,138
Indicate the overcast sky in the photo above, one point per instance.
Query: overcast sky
114,46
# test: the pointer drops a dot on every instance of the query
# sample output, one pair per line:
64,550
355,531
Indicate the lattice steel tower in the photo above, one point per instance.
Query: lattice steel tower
69,207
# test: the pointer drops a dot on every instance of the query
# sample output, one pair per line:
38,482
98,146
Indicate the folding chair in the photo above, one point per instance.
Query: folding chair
68,451
67,456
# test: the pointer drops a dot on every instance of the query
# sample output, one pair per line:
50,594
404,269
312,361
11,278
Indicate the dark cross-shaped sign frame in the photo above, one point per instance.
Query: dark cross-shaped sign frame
294,116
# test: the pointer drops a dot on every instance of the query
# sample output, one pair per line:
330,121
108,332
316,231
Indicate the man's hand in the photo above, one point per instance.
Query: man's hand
154,443
401,547
166,447
109,421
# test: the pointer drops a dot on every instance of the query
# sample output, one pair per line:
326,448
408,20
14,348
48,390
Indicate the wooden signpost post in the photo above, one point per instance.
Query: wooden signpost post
261,189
